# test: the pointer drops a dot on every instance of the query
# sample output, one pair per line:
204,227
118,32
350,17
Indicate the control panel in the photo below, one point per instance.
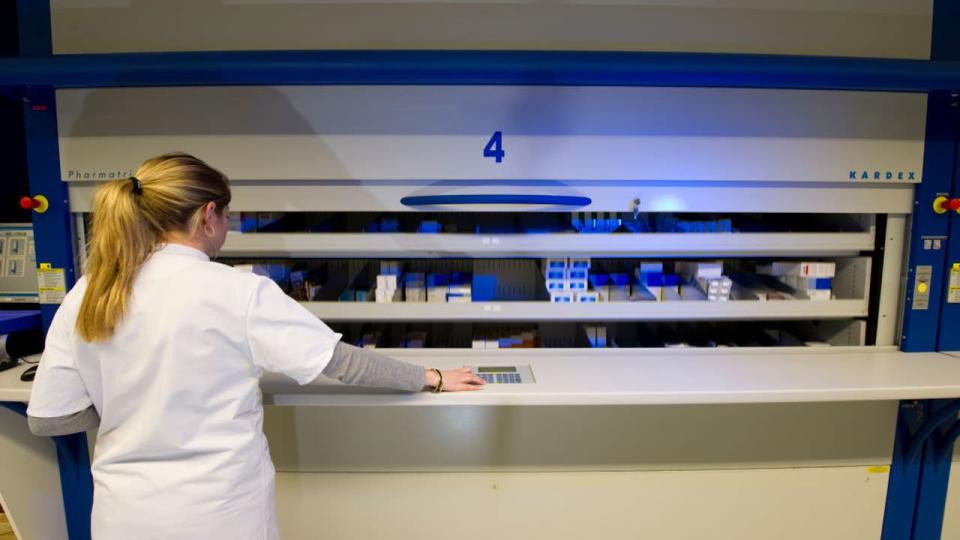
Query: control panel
921,293
18,264
521,374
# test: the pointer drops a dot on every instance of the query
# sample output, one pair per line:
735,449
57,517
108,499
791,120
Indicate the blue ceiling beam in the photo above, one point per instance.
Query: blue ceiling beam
479,67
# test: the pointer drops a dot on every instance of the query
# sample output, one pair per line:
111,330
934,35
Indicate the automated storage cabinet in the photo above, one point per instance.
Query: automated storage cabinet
576,244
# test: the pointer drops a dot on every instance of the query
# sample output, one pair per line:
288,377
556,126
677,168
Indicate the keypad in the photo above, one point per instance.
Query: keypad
500,378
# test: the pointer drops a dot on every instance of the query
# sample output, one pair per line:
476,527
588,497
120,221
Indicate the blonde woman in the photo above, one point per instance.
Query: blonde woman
162,350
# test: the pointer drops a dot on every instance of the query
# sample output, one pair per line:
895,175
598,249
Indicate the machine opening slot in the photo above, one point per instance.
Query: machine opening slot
565,281
646,335
538,222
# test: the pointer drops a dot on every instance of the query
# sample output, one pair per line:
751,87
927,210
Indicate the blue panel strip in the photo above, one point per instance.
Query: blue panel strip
52,229
19,320
76,483
904,476
34,29
946,45
949,339
934,479
916,494
15,406
554,200
52,236
920,326
481,67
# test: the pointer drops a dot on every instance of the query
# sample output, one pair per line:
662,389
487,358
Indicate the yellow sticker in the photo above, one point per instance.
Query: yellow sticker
953,285
878,469
51,284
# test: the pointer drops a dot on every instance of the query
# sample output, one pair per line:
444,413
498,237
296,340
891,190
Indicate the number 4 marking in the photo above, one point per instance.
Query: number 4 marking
494,147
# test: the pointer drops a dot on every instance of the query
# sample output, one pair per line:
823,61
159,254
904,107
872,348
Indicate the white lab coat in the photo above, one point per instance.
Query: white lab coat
180,452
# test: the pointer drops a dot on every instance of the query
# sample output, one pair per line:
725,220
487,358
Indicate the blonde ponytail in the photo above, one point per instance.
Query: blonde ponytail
131,217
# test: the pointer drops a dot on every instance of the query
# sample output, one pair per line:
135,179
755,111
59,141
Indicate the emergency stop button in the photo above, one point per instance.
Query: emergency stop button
38,204
945,204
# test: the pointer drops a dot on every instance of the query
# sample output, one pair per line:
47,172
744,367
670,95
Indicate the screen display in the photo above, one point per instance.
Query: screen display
497,369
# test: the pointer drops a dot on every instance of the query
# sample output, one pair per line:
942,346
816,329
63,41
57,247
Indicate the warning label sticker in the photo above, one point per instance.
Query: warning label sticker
51,284
953,285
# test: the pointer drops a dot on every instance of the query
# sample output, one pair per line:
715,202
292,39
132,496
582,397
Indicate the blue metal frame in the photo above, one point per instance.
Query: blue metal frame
950,313
52,230
480,67
19,320
920,472
53,238
947,45
921,327
927,430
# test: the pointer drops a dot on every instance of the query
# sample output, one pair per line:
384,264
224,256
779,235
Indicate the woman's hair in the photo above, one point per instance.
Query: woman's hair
131,217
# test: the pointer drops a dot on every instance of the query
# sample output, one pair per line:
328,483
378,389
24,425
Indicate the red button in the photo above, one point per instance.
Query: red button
950,204
29,203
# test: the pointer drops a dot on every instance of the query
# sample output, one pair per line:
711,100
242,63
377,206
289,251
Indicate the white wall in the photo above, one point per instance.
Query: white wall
877,28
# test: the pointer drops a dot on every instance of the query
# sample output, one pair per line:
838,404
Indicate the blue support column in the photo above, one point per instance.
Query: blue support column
946,45
927,430
904,476
76,483
950,310
54,242
919,477
934,479
921,323
52,229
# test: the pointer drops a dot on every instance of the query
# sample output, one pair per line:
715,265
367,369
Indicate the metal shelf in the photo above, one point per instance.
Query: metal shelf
479,67
412,245
606,312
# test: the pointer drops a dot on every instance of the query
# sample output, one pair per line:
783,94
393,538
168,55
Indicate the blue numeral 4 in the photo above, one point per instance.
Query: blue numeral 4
494,147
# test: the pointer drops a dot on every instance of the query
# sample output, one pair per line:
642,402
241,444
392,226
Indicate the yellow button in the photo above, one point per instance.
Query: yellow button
921,288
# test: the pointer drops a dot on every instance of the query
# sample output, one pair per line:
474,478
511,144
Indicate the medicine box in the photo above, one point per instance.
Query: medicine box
699,269
556,285
576,285
800,268
587,297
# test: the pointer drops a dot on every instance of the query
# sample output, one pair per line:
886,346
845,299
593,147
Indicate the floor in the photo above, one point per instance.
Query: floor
6,533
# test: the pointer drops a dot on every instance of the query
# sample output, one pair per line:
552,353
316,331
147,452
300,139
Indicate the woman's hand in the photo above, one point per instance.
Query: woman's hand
455,380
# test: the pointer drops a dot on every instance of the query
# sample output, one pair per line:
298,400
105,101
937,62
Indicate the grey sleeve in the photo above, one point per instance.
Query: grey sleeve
77,422
364,367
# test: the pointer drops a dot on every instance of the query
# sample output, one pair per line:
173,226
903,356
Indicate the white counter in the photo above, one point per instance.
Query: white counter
644,377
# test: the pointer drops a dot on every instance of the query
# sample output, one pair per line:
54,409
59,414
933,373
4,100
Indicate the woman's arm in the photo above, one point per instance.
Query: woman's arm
365,367
78,422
